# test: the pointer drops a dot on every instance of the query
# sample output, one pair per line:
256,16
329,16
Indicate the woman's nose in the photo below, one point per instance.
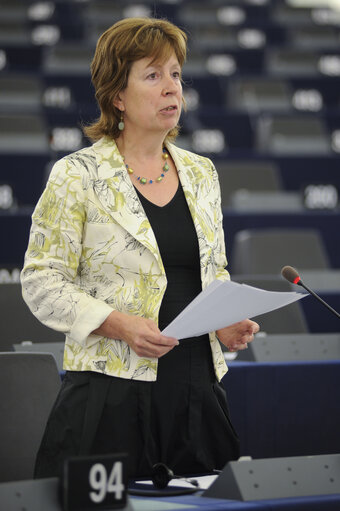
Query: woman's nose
169,86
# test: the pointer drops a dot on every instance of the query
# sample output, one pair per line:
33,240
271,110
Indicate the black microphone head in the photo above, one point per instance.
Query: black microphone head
290,274
161,475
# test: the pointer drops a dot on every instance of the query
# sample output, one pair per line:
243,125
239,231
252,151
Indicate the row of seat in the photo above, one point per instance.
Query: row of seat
208,133
251,92
261,85
266,184
28,92
257,257
246,186
285,62
192,12
272,37
29,334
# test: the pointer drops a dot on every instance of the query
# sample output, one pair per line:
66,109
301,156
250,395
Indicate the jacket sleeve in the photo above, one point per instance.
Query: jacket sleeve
51,266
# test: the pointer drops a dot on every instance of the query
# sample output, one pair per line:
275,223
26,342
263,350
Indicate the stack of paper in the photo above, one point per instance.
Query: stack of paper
223,303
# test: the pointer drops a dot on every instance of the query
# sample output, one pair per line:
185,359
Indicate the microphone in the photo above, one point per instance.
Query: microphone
290,274
161,475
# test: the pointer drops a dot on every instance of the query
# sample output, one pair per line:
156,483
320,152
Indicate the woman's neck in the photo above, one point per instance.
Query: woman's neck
141,149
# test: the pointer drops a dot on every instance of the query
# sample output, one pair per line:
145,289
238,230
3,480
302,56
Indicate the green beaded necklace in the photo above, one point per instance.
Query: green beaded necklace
145,180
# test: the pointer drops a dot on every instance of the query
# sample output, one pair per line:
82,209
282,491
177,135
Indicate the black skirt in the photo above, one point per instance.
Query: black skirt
182,419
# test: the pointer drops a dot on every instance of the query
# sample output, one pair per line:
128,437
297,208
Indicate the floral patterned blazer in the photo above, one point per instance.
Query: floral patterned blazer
92,249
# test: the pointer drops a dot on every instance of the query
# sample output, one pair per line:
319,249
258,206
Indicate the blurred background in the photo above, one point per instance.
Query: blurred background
262,85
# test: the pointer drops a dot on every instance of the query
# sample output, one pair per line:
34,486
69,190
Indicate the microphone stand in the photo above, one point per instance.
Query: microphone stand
300,283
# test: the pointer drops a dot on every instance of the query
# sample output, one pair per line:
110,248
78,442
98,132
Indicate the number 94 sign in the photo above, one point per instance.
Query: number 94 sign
94,483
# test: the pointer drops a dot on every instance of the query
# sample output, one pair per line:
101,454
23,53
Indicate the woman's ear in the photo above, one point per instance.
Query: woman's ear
118,103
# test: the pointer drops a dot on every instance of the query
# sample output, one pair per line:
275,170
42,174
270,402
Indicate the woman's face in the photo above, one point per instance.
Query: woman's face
152,100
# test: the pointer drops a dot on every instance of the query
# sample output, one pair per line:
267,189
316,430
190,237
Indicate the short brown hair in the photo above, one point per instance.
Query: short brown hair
117,48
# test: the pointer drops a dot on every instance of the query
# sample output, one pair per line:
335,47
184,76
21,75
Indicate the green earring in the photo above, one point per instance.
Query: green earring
121,124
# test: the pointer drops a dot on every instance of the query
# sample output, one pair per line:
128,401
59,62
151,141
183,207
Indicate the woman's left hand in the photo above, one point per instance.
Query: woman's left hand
236,337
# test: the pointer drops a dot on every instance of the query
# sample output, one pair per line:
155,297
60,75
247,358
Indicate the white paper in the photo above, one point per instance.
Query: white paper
204,482
223,303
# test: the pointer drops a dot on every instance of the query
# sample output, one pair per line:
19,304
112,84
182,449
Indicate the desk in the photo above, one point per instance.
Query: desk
187,503
42,495
285,408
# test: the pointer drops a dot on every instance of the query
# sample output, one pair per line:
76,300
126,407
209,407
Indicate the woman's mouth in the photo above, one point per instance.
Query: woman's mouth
169,108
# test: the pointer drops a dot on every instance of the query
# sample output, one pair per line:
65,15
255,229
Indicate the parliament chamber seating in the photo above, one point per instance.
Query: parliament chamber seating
262,251
262,90
246,176
262,87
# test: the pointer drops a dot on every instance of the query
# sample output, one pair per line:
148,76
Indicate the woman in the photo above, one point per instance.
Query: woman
126,234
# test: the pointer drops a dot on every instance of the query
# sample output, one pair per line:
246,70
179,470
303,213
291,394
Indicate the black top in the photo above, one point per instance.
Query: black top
177,240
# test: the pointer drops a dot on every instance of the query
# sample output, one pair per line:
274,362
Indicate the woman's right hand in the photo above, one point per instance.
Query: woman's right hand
141,334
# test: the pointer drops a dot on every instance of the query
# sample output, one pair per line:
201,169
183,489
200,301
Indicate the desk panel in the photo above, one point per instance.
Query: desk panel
322,503
285,409
42,495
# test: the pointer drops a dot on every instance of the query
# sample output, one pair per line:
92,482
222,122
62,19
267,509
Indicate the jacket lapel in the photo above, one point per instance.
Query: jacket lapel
118,196
183,165
197,186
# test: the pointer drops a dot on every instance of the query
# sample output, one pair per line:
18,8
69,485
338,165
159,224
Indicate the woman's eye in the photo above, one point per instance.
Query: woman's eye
152,76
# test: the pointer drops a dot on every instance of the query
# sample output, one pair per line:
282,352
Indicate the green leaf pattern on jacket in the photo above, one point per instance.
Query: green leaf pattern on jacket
92,250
